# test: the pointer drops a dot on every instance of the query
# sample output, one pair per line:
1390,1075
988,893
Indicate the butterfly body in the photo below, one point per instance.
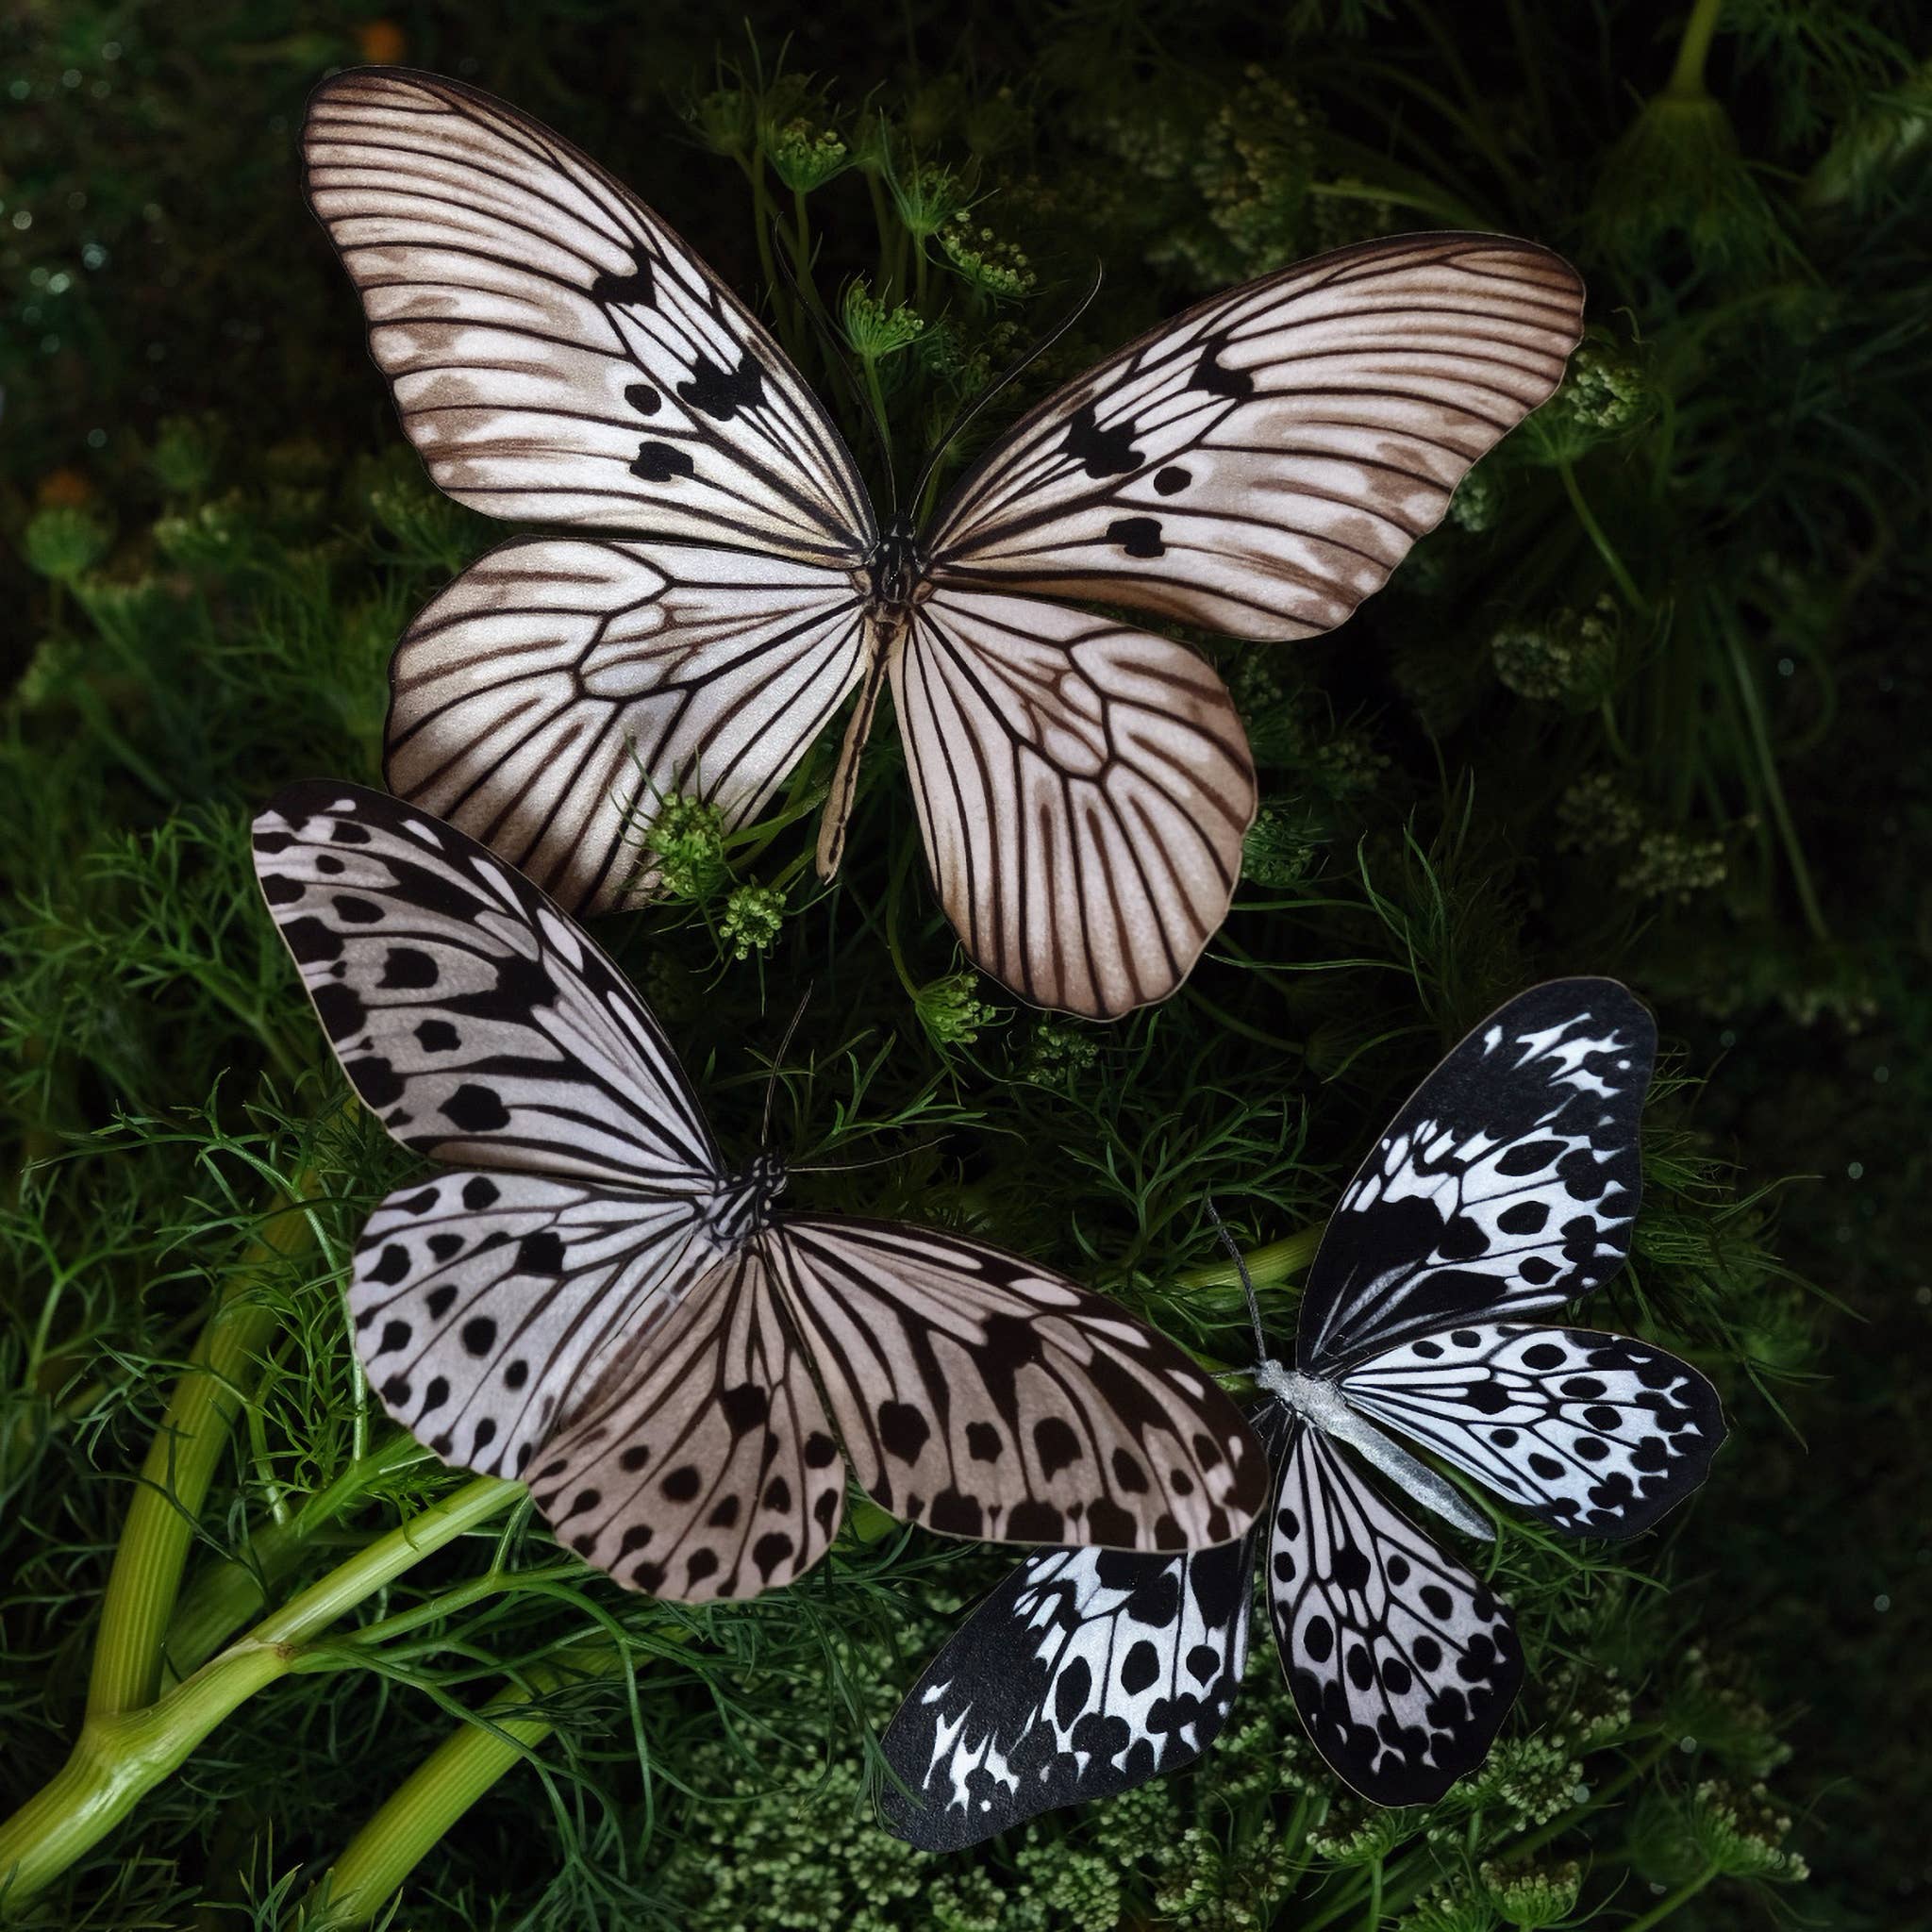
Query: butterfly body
1505,1187
1256,466
742,1207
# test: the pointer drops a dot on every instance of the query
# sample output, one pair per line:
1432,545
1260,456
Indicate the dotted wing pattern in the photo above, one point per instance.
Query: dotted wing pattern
1507,1184
558,692
1592,1432
1085,1673
1402,1664
1083,790
557,356
479,1024
1260,464
985,1397
702,1468
482,1302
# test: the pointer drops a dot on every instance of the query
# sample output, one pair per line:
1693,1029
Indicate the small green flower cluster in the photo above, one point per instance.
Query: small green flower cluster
1596,814
686,839
995,267
1280,848
874,328
1532,1893
806,156
752,917
950,1010
1569,658
1674,867
1056,1053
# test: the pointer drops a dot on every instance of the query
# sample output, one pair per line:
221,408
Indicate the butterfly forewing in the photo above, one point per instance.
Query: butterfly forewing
1260,465
483,1303
477,1021
1083,789
558,692
557,353
703,1466
1085,1673
985,1398
1508,1183
1595,1434
1401,1664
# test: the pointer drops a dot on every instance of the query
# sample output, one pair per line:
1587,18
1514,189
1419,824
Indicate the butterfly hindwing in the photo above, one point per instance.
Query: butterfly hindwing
1085,1673
558,692
557,353
1261,463
480,1025
985,1398
1592,1432
1401,1664
1508,1183
1083,789
701,1466
483,1302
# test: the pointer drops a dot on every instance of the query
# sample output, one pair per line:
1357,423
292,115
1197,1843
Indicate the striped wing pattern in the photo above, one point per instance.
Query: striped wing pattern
1260,465
554,695
1083,789
557,353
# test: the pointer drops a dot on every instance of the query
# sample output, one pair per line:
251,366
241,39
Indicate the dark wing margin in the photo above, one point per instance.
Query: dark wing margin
553,697
1402,1664
1085,1673
1083,789
480,1025
1596,1433
557,353
1508,1183
1261,463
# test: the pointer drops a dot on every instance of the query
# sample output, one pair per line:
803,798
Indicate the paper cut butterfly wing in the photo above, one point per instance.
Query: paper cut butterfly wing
1260,464
1509,1182
557,353
1085,1673
1083,790
554,696
1596,1433
477,1021
1402,1664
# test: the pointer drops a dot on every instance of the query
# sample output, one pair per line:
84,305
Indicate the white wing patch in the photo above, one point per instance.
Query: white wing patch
1401,1664
483,1301
1083,790
1596,1433
553,697
1086,1673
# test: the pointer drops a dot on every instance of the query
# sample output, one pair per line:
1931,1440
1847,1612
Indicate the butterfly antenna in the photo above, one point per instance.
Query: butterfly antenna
1240,1266
836,355
772,1079
964,418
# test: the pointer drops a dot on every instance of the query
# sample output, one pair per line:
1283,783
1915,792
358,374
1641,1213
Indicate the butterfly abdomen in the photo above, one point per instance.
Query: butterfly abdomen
741,1207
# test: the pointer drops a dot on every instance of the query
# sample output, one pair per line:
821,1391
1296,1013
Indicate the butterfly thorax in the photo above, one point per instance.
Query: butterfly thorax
895,572
1321,1404
741,1207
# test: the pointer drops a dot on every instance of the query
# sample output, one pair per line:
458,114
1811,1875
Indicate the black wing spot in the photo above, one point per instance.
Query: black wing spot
479,1194
407,969
1169,481
438,1036
721,392
661,462
645,397
1212,375
1136,536
1101,452
475,1109
638,288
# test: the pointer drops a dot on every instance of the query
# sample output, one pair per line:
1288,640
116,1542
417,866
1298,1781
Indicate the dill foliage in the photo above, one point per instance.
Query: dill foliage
1633,710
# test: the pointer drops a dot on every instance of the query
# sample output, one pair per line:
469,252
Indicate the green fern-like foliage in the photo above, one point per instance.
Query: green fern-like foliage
1644,705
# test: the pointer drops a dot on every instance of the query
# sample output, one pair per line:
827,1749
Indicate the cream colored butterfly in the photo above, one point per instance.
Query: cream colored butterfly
1257,466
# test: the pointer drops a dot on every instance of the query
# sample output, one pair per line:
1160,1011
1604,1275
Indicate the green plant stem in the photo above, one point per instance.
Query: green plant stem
180,1465
1773,788
1266,1265
409,1823
1665,1906
121,1755
1625,583
1693,50
222,1599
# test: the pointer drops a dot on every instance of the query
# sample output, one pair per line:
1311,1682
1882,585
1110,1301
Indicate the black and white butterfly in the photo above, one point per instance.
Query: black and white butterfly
596,1304
1505,1187
559,357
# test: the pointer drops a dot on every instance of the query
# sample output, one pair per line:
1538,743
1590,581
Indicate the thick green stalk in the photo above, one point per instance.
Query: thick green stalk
409,1823
1664,1908
181,1463
1693,50
121,1755
1266,1265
